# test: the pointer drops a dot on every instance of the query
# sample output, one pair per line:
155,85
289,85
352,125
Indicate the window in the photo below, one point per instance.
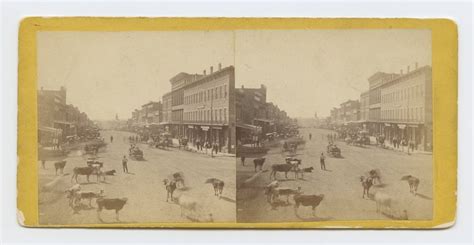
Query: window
216,94
225,91
220,92
225,114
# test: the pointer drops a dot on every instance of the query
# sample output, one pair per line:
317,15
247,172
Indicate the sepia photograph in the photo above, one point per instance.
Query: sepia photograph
136,127
334,125
246,126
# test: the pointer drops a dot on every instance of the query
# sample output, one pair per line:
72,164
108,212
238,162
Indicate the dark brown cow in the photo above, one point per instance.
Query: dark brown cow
218,186
87,171
60,166
285,167
258,162
308,200
110,204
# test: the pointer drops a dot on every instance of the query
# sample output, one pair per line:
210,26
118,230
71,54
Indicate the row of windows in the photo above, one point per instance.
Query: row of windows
404,114
214,93
404,94
218,115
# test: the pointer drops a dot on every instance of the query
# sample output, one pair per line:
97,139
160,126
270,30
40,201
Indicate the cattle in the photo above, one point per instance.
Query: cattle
258,162
305,170
80,195
218,186
59,166
71,194
413,183
285,167
308,200
170,186
284,191
383,203
110,172
179,178
375,175
366,182
187,204
110,204
88,171
268,190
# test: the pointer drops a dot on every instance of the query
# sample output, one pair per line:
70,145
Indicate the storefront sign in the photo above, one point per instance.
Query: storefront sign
387,124
402,126
217,128
189,126
205,128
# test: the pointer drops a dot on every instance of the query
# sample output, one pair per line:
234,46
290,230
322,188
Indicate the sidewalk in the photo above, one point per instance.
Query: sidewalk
404,150
205,152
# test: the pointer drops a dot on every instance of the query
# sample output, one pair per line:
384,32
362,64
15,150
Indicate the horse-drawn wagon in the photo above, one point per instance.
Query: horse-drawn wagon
333,150
136,154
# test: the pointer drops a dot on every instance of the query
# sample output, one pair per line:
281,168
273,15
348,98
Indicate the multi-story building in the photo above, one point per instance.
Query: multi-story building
251,113
57,121
375,96
406,107
151,113
350,111
203,107
166,109
364,106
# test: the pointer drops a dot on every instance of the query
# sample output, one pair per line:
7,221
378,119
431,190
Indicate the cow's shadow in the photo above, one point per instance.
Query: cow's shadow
313,218
227,199
424,196
279,203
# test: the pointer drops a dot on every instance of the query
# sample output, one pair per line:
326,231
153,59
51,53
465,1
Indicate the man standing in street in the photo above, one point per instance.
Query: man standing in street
111,139
322,159
242,159
124,164
310,136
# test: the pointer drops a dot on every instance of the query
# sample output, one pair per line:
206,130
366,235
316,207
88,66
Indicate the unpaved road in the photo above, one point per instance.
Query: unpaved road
340,183
143,186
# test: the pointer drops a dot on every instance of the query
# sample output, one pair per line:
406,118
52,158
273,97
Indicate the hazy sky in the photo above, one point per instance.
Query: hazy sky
305,71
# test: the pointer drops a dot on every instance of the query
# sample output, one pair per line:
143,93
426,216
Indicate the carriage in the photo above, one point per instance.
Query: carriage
333,150
136,154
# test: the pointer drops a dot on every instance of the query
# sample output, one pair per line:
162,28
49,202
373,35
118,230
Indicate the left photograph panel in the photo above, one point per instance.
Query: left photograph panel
136,127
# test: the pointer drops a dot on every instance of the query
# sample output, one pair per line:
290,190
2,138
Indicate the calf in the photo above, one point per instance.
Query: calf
170,186
87,171
59,166
179,178
218,186
308,200
366,182
88,195
258,162
285,167
413,182
284,191
110,204
305,170
71,194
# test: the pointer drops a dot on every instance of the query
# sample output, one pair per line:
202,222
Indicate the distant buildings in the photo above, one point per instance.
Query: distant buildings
208,108
57,120
396,105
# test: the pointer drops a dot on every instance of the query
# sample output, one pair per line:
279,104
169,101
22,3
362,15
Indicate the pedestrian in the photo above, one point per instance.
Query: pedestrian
411,144
322,159
242,159
124,164
43,163
310,136
111,139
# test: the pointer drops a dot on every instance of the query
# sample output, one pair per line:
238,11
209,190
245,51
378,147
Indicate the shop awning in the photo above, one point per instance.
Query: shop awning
248,126
263,120
64,122
50,130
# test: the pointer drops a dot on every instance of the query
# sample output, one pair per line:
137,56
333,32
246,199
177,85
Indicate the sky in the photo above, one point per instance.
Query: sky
305,71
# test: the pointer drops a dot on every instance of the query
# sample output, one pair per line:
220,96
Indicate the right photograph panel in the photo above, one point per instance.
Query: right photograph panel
333,125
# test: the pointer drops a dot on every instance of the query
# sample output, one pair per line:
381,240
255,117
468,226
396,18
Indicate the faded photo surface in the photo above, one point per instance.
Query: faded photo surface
234,126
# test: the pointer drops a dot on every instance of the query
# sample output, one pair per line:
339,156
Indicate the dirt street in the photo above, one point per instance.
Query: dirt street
143,186
340,183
